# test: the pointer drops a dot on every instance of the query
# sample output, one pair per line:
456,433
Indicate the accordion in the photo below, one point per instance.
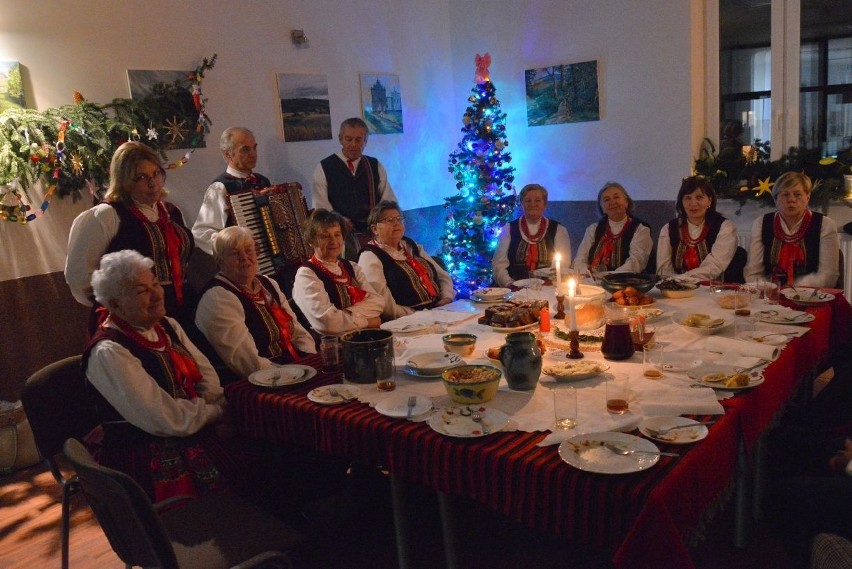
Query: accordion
274,216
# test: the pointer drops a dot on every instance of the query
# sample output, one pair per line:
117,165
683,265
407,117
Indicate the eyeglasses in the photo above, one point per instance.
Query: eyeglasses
157,176
393,220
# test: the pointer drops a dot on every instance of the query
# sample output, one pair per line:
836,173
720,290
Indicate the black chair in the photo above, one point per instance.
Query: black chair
57,407
735,271
216,531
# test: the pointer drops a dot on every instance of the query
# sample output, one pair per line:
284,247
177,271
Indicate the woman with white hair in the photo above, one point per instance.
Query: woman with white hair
158,396
244,315
801,244
618,241
529,242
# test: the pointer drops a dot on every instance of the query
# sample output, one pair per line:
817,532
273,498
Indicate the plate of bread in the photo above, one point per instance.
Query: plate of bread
725,377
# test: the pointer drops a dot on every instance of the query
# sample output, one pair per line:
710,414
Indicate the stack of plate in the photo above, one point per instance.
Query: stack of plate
431,364
489,294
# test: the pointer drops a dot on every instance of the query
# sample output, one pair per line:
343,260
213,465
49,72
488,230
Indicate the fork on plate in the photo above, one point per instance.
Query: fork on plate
658,432
476,416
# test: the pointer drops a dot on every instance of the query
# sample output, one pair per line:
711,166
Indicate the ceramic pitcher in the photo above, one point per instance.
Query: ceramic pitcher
521,359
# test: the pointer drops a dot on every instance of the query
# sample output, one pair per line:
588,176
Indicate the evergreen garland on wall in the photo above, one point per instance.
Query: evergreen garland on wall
69,148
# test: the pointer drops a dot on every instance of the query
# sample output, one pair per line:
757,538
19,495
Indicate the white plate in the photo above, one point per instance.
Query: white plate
652,314
546,272
282,376
518,329
404,327
586,453
490,293
572,370
681,315
783,316
452,423
525,283
803,297
422,374
680,361
397,406
492,301
684,436
433,362
755,377
323,396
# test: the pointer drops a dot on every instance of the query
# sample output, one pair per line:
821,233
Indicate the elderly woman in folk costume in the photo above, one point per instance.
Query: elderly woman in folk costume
244,315
159,398
619,241
529,242
399,269
699,242
333,293
801,244
134,216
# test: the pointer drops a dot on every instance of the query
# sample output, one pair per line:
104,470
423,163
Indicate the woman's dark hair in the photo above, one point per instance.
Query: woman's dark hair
689,185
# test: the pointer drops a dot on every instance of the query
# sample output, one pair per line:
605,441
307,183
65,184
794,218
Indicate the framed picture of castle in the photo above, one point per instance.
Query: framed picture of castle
381,103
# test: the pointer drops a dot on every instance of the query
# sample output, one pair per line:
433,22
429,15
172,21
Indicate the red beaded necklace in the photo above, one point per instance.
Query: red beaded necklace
356,294
282,319
538,235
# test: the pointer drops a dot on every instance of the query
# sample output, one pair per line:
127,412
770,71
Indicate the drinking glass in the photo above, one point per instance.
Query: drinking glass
330,351
565,407
653,358
617,394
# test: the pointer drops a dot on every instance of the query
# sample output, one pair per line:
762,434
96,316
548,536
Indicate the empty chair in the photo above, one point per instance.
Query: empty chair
57,407
216,531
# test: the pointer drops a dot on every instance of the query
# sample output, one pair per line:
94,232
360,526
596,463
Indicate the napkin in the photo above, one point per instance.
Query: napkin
665,400
741,347
781,328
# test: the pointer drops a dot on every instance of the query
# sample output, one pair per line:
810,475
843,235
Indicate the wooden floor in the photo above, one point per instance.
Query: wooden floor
30,516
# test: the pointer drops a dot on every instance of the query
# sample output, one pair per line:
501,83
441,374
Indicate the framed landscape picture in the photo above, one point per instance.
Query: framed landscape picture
305,109
381,103
11,86
167,93
562,94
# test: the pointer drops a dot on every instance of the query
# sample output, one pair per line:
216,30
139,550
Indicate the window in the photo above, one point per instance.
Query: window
824,74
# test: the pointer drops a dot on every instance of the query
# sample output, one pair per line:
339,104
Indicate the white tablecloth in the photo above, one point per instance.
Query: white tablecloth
673,394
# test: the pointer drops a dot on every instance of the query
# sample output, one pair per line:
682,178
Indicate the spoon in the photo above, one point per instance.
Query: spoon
624,451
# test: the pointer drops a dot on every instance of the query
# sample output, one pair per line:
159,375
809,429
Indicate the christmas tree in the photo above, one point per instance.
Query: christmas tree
486,197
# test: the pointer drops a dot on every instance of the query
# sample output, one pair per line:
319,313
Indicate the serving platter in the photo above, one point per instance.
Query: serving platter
516,329
587,452
403,327
574,370
282,376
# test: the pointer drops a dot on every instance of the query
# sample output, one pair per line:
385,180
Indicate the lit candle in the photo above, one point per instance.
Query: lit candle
558,259
572,315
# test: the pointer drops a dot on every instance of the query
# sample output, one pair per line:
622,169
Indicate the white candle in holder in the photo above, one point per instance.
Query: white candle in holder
572,315
558,261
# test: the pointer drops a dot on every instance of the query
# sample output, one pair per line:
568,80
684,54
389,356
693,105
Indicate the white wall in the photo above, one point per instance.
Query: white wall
642,139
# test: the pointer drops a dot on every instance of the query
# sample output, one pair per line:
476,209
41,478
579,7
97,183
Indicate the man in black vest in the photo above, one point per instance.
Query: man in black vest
239,149
351,184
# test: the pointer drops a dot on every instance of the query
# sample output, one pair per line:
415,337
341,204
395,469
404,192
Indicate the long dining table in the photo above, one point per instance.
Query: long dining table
646,518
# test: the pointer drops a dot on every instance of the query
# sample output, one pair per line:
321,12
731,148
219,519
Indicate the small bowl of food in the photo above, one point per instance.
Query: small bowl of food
677,288
732,298
703,323
461,344
472,384
642,282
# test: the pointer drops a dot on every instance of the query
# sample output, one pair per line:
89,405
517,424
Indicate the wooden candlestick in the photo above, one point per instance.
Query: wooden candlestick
560,307
574,353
